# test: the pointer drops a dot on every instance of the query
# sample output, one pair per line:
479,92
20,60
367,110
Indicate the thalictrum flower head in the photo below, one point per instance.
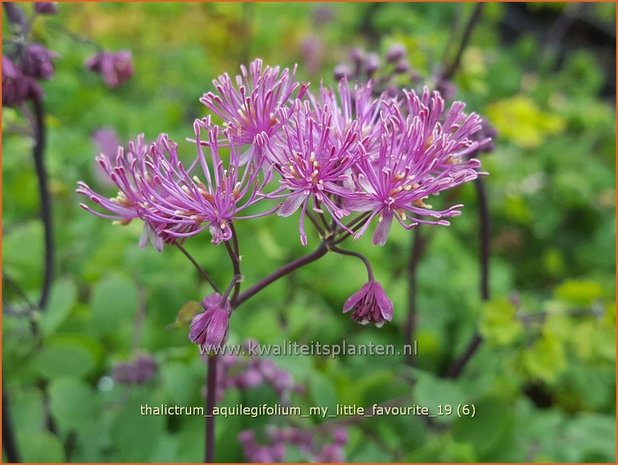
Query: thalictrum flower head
155,186
313,162
419,155
16,87
37,61
116,68
249,106
370,305
125,206
142,174
229,189
46,8
209,329
395,53
353,103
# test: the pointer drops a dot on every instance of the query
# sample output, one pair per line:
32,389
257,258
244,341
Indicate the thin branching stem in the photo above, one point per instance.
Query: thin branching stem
281,272
358,255
203,273
419,243
211,400
451,69
9,442
484,252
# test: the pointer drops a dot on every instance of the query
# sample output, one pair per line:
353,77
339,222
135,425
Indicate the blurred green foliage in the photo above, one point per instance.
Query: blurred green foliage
543,382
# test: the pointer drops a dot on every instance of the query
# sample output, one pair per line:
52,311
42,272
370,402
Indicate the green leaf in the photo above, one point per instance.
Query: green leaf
520,120
73,403
590,437
499,324
435,393
545,359
113,303
579,292
64,358
22,251
180,382
490,424
133,433
28,411
322,392
61,301
41,447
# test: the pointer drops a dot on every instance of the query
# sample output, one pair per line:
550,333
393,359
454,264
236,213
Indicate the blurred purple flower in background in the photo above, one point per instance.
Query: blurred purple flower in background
370,304
46,8
312,444
138,371
106,142
322,14
312,50
395,53
116,68
209,329
16,87
37,61
250,370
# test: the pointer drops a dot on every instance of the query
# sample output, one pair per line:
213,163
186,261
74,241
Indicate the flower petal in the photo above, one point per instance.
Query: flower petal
293,202
380,234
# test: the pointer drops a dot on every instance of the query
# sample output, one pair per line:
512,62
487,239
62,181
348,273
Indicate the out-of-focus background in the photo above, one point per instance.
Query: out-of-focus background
543,379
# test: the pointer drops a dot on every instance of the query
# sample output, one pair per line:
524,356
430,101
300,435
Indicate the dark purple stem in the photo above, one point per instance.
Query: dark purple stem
281,272
203,273
211,394
15,15
450,70
358,255
484,238
234,253
46,209
8,438
418,247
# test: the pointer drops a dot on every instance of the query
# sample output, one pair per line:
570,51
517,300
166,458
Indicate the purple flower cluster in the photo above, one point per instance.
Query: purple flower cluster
115,68
279,440
365,66
21,73
17,88
25,63
46,8
340,151
171,199
138,371
248,371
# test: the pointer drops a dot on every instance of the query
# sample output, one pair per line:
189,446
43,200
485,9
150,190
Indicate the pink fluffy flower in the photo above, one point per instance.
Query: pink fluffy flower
313,162
354,105
175,201
249,105
418,156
